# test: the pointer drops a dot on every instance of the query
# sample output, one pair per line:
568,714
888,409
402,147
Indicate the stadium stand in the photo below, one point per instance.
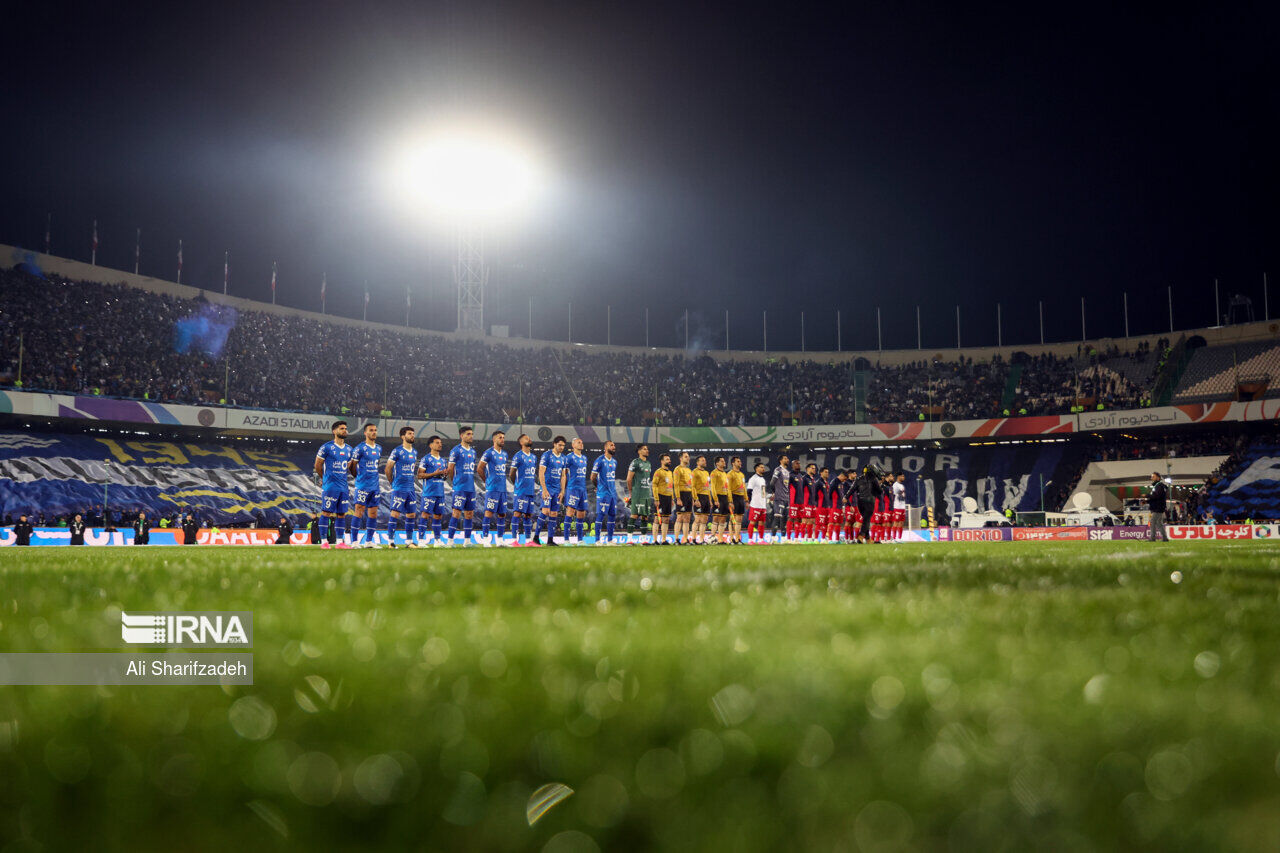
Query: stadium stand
87,338
1214,372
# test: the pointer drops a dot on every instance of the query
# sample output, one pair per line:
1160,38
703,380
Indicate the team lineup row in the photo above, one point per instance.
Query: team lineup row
694,505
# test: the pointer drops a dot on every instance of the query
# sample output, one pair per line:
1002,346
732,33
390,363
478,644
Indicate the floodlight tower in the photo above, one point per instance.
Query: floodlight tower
470,178
470,274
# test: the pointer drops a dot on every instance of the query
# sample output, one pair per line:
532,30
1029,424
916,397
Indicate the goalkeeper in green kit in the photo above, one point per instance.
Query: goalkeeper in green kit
639,496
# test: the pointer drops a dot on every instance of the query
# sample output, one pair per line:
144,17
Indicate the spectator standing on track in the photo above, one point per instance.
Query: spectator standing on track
1157,502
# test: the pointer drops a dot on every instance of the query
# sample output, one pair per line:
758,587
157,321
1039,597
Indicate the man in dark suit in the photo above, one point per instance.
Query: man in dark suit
283,531
141,530
1158,502
77,530
22,531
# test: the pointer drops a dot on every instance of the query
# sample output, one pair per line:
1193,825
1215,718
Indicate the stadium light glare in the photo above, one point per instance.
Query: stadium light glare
465,173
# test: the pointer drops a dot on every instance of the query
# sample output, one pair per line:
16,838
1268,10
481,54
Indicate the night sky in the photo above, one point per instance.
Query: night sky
800,159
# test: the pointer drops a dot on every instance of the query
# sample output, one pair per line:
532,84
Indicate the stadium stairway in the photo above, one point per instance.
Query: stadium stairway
1168,376
1011,386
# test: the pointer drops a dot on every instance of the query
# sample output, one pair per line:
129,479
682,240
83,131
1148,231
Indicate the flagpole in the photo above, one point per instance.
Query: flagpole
879,337
919,336
93,257
726,330
179,261
48,232
801,331
838,341
999,326
365,317
226,270
324,285
137,251
1266,306
273,282
957,327
1126,315
1083,335
1041,304
764,330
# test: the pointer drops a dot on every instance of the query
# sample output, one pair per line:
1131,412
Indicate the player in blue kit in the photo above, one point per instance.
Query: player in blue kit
365,457
462,469
602,474
524,477
432,470
551,478
493,470
575,496
333,461
401,467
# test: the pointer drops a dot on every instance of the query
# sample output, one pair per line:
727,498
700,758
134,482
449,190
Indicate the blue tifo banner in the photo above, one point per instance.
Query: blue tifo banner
1254,491
64,474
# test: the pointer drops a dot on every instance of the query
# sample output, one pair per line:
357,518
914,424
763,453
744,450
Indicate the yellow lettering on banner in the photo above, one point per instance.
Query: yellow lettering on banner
270,462
116,450
166,452
216,450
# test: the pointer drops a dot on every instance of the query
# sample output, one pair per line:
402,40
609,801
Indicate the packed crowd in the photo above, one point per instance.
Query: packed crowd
114,340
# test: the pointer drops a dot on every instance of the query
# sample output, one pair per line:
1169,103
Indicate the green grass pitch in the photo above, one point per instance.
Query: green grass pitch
1066,696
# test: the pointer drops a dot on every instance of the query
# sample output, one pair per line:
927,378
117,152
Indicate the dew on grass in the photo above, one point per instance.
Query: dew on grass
252,718
816,747
1095,689
1207,664
646,583
1168,774
733,705
571,841
886,694
270,815
493,663
435,651
314,778
660,773
1176,577
544,799
364,649
882,826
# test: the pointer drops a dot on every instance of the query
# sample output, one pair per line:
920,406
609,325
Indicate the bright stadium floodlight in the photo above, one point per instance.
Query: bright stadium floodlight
467,178
467,175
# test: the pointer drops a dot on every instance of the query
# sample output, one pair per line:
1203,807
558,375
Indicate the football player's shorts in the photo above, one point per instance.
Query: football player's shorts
368,497
899,515
740,505
575,497
807,513
704,505
464,501
757,516
335,499
551,503
607,505
497,503
433,505
722,504
642,506
526,504
852,515
685,502
404,500
664,505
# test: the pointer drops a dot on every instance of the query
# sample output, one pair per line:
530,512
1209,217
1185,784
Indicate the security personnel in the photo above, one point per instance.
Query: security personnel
283,531
314,529
141,530
77,530
868,489
22,531
189,529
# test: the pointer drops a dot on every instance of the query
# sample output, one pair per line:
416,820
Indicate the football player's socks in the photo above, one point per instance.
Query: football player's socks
325,521
424,522
392,523
609,530
453,527
370,528
357,527
340,528
466,530
577,529
436,524
600,515
484,526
